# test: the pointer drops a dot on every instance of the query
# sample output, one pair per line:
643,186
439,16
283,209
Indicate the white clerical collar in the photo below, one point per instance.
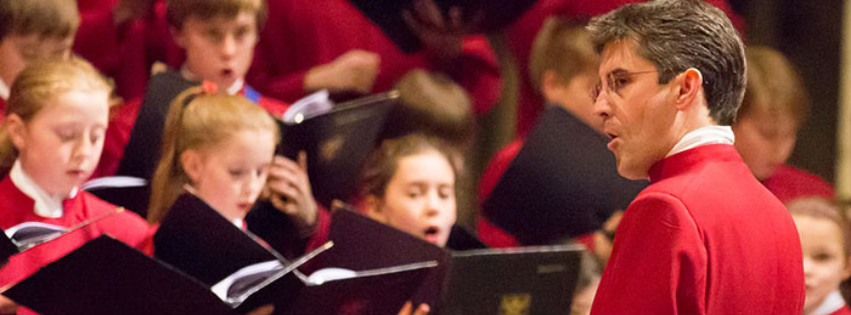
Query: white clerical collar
237,221
234,89
46,206
704,136
831,304
4,90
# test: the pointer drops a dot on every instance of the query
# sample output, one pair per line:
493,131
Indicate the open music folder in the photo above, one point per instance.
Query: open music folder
482,281
197,240
28,235
337,142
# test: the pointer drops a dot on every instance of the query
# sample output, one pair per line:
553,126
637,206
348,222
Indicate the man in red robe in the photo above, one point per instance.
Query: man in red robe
705,237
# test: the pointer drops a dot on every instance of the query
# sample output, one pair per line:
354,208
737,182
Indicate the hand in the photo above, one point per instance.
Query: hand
354,70
441,37
289,190
408,309
7,306
128,10
603,241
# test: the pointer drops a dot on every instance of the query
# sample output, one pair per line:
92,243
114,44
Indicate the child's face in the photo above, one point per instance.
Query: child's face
420,198
219,49
765,141
17,51
230,175
825,264
61,145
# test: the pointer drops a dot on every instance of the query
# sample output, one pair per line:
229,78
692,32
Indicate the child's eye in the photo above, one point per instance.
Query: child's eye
822,257
66,135
215,35
236,173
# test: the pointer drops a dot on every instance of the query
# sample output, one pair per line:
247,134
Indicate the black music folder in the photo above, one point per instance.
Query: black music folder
524,280
563,183
107,277
362,243
197,240
493,15
143,150
27,235
337,143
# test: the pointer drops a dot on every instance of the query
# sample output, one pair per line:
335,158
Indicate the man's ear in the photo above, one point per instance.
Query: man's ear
372,208
192,163
690,85
17,130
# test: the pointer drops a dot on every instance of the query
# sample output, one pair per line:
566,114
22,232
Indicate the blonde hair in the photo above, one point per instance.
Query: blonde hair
180,10
821,208
197,121
39,84
44,18
774,84
564,47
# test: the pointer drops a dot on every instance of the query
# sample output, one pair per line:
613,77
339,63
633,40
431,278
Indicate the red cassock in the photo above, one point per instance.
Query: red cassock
2,110
18,208
842,311
301,34
704,238
789,183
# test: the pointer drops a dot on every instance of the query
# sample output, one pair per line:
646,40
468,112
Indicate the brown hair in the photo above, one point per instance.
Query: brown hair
774,85
564,47
40,83
383,162
676,35
435,105
195,121
180,10
821,208
44,18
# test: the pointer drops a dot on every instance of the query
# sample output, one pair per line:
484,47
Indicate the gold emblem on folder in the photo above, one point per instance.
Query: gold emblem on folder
329,149
515,304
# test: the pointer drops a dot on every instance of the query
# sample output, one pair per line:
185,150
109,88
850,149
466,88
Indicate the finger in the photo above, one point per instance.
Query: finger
456,19
302,160
423,309
406,309
283,205
416,26
431,12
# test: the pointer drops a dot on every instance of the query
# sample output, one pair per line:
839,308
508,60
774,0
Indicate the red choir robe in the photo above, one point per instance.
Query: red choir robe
18,208
118,51
2,110
704,238
488,233
842,311
789,183
301,34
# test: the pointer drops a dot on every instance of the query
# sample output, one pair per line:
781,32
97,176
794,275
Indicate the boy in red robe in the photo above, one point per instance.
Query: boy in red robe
33,30
705,237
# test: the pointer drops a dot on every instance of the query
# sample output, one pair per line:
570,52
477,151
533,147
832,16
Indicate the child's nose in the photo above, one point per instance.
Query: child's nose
228,46
84,148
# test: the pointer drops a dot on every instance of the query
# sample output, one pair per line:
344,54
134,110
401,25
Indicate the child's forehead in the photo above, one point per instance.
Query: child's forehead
244,17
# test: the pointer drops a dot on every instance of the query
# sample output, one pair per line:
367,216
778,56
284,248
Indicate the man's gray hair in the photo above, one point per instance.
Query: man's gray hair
676,35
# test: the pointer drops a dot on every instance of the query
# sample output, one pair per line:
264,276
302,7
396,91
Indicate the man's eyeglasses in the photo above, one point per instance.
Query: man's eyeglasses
616,81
